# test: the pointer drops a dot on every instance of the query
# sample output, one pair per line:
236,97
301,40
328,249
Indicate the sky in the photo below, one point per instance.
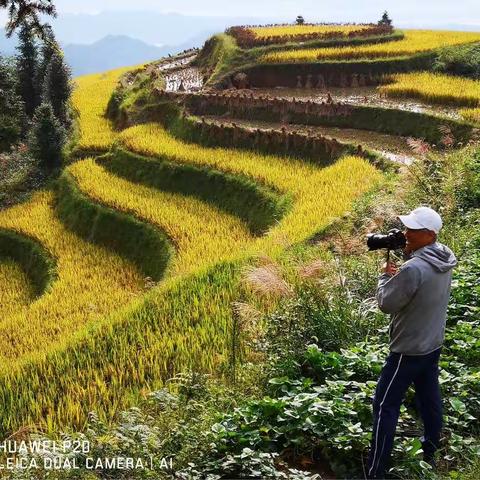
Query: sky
459,11
403,12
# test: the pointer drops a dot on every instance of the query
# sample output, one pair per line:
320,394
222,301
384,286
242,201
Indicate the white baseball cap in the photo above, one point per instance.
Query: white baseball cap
422,217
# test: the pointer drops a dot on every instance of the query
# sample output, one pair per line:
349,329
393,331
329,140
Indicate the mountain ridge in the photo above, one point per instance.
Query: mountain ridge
114,51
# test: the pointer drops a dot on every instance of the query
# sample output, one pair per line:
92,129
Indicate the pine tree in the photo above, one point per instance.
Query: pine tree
57,88
11,106
27,69
47,138
386,21
49,47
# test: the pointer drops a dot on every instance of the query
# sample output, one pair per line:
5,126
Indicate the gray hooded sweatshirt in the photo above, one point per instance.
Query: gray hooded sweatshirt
417,299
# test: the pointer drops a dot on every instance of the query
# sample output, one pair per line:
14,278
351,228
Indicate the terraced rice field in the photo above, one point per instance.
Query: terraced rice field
437,89
15,286
367,96
434,88
202,234
90,98
281,30
392,147
93,331
320,194
415,41
92,282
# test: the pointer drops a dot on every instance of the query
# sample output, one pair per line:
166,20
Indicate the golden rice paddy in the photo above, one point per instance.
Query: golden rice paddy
434,88
90,98
281,30
15,287
92,282
203,234
415,41
471,114
320,194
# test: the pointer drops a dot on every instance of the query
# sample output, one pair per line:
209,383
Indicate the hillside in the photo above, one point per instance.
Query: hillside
209,226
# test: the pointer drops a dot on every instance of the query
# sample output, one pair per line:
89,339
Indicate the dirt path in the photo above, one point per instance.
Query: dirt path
175,62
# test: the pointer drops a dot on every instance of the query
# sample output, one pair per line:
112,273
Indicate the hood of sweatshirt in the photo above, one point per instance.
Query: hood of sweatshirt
437,255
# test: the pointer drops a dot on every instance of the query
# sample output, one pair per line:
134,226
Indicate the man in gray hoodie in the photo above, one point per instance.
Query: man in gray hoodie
416,296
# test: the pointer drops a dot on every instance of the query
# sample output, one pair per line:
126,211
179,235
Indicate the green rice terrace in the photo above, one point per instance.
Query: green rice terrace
195,284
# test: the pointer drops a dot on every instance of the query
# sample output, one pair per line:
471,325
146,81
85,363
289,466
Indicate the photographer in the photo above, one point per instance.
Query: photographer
416,295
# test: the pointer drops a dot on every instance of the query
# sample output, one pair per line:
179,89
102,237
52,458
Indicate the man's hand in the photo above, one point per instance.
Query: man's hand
390,268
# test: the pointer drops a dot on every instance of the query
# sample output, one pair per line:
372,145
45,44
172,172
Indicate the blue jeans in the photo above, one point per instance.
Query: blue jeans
398,373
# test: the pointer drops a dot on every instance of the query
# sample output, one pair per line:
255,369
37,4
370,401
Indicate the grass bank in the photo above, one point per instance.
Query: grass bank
257,206
145,246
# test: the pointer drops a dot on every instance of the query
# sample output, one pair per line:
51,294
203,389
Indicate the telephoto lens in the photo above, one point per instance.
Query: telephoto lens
393,240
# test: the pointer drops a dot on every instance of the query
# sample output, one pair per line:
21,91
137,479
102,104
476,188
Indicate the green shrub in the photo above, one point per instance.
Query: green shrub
113,111
172,424
469,192
246,464
329,414
18,174
333,322
461,60
219,54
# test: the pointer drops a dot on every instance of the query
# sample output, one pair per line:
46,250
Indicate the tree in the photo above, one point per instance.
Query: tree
48,48
300,20
57,88
47,138
27,69
11,106
386,21
20,11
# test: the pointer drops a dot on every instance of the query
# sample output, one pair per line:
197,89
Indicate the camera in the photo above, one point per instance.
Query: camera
393,240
